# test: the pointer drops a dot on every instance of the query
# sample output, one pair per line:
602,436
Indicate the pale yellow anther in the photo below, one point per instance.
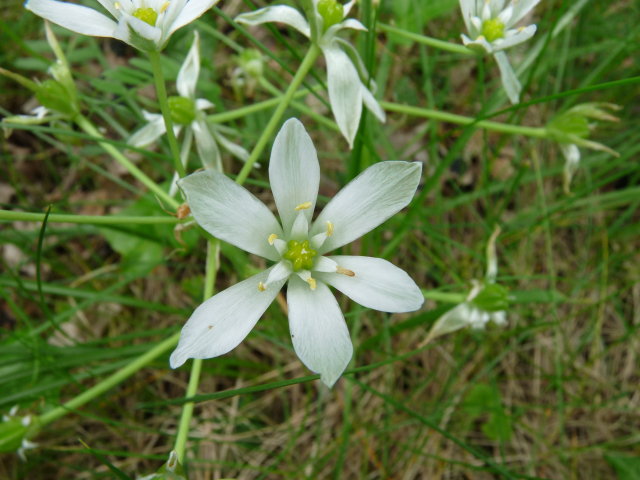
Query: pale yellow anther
164,6
329,229
117,6
345,271
261,287
272,238
304,206
312,283
520,29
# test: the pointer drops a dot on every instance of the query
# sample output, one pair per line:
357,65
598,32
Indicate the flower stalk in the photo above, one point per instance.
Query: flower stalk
161,93
307,62
89,128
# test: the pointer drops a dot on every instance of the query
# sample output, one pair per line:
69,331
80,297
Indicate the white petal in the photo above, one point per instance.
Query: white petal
345,91
204,104
372,197
222,322
294,172
349,23
318,331
509,80
190,69
299,229
234,149
520,9
277,13
325,264
377,284
372,104
499,318
76,18
455,319
520,36
109,5
206,145
467,8
149,133
192,10
130,27
229,212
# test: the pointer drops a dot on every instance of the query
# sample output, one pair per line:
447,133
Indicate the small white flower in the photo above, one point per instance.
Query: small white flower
189,112
298,246
471,313
144,24
491,28
347,93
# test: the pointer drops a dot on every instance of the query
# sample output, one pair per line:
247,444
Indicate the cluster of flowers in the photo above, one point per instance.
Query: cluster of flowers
297,244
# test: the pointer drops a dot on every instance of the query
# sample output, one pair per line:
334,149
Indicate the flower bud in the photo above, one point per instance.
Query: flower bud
183,110
14,431
331,12
54,96
492,298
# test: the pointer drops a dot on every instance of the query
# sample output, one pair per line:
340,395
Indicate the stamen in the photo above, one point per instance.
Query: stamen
345,271
164,6
312,283
117,6
272,238
329,229
261,287
303,206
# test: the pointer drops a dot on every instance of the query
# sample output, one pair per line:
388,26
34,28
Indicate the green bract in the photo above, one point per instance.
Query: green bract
52,95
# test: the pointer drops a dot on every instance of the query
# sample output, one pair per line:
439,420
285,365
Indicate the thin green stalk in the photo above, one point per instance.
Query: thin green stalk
161,93
535,132
444,297
305,66
431,42
255,107
109,382
89,128
12,216
213,252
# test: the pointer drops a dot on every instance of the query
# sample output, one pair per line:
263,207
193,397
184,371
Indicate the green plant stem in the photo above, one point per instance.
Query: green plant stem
307,62
12,216
255,107
431,42
444,297
535,132
213,252
108,382
89,128
161,93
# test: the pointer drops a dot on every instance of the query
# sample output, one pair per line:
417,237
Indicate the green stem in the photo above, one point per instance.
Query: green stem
267,133
535,132
89,128
108,382
255,107
161,93
444,297
431,42
213,252
12,216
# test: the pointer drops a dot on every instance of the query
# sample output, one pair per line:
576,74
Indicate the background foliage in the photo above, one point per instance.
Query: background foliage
553,395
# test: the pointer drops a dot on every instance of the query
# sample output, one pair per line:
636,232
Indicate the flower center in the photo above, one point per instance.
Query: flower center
148,15
492,29
183,110
331,12
300,254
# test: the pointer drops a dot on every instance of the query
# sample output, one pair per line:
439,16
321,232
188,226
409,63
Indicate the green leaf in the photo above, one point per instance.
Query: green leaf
626,467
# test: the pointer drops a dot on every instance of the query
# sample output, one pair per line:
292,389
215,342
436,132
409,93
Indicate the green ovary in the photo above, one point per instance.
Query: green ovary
148,15
331,12
183,110
300,254
493,29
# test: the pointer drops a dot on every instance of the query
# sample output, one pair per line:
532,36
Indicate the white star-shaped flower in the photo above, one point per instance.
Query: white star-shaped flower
298,245
189,112
491,28
347,93
144,24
